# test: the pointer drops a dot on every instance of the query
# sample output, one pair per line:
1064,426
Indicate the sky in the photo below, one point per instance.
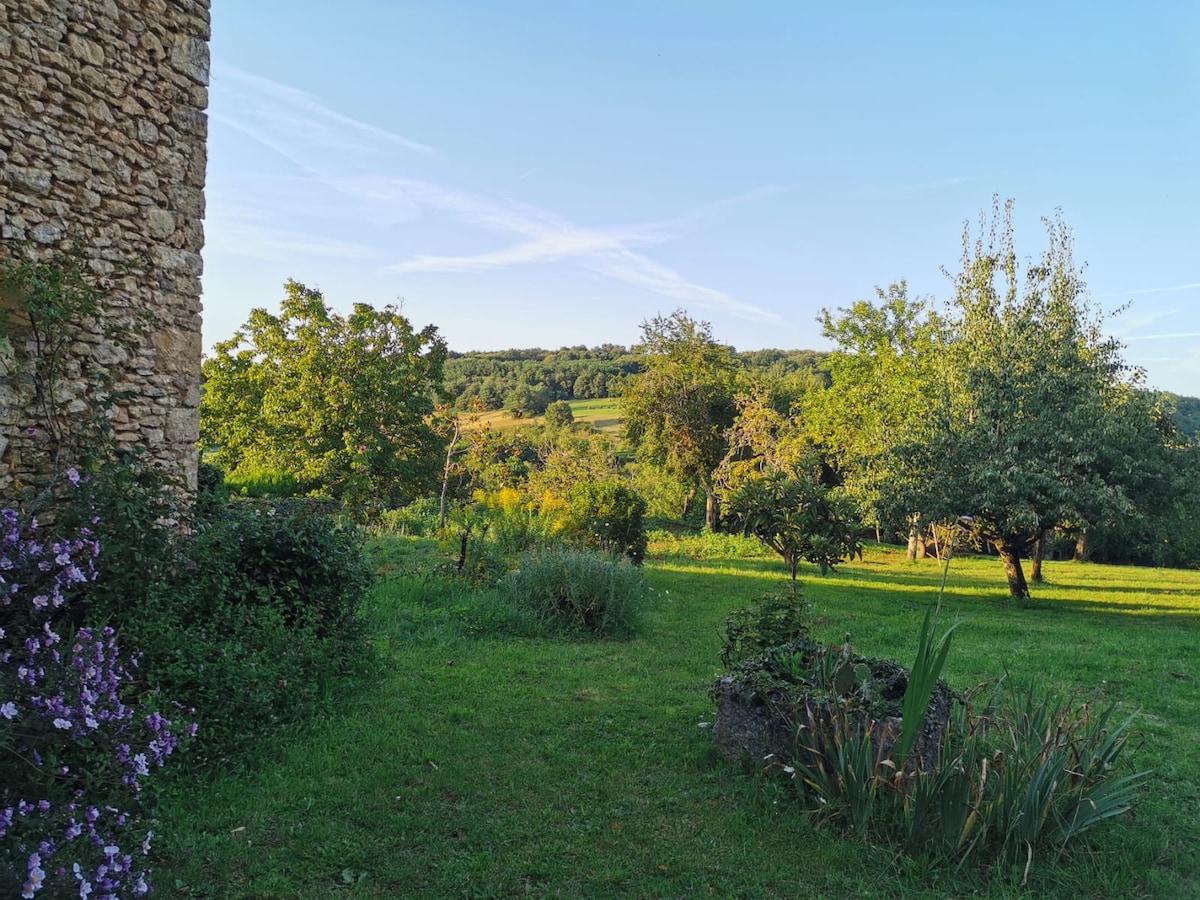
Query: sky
548,174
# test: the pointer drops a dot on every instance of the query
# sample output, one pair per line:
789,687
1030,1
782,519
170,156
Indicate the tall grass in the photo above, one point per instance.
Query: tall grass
580,591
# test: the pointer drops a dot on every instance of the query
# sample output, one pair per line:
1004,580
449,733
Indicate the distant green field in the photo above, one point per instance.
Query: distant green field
605,414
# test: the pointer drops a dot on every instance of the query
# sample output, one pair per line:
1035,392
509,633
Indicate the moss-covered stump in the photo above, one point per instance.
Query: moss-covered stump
799,702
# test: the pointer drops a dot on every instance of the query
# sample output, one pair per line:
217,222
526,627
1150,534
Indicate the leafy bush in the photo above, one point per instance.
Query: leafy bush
129,505
580,591
77,748
245,620
606,515
282,556
262,612
771,621
211,491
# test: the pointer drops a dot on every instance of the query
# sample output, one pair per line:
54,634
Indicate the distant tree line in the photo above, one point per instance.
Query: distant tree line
526,381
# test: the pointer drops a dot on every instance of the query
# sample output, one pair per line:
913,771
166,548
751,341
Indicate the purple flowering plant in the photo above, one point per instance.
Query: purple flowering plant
74,749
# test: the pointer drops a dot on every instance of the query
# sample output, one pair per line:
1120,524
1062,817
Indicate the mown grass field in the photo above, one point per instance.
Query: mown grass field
603,415
485,766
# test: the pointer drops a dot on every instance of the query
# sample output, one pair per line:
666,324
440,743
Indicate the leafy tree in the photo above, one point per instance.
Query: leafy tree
559,415
883,374
342,403
496,458
1013,444
677,410
1159,466
1185,411
763,440
527,399
566,457
798,518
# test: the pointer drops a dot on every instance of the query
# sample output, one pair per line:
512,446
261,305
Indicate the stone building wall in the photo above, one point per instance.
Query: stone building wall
103,149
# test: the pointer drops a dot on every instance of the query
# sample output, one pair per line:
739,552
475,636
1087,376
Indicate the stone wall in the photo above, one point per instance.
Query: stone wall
102,149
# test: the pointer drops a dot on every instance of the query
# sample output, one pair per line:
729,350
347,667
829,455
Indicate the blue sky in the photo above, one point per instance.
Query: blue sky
553,173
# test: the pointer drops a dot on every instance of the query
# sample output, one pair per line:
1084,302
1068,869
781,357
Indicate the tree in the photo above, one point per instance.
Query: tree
343,403
559,415
798,518
882,375
1159,466
677,410
526,398
1013,441
764,440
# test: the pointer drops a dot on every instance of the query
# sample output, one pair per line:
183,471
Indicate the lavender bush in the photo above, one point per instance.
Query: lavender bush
75,754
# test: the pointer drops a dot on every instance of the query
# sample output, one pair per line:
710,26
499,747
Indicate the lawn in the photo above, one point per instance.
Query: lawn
484,766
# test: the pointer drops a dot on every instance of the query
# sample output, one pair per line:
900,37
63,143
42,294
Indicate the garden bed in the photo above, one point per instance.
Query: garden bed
798,703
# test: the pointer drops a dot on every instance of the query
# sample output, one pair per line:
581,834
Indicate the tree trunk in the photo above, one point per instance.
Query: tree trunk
914,539
712,510
1039,550
446,475
1011,558
1082,550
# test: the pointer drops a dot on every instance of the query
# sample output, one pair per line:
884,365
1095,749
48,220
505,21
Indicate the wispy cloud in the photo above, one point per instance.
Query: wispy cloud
1165,337
372,169
1159,290
269,111
246,226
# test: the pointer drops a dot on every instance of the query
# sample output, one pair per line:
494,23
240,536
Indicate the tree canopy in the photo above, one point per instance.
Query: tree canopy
341,403
1019,419
679,408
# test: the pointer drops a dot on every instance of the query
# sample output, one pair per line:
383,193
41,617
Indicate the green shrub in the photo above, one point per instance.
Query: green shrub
129,506
211,492
580,591
283,556
606,515
771,621
246,620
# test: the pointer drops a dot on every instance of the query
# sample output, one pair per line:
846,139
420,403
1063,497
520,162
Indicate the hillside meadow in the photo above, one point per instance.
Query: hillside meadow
605,415
478,765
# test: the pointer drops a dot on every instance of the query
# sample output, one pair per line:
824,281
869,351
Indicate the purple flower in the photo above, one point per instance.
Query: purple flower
8,710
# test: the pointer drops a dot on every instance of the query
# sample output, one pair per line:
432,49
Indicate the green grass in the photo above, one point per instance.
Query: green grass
604,415
505,767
